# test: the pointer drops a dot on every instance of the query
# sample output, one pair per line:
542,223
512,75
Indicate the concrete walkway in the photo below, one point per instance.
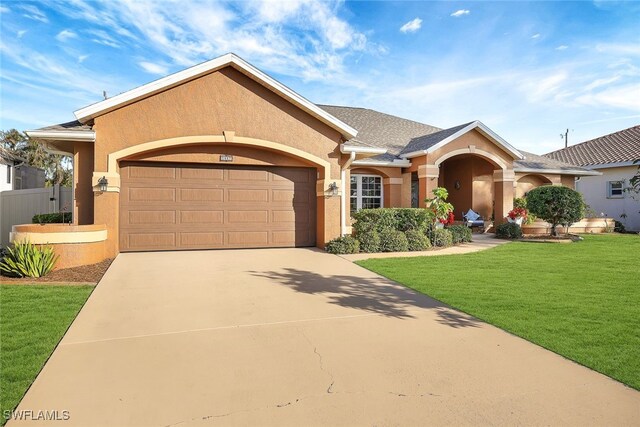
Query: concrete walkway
480,243
300,337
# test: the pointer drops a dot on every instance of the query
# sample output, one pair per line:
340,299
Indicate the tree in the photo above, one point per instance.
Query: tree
557,205
635,181
58,169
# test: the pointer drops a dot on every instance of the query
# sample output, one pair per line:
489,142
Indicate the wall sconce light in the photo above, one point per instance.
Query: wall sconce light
333,189
457,185
103,183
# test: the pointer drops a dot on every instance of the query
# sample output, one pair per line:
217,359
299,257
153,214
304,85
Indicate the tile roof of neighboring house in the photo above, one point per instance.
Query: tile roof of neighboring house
378,129
617,147
69,126
8,156
534,161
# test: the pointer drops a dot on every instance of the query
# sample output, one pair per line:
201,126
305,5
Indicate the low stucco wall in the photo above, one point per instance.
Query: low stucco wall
75,245
586,225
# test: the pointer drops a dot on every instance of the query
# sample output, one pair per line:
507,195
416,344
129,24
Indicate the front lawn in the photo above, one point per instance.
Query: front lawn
581,300
33,319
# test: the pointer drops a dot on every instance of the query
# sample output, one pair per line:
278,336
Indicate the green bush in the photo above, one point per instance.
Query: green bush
441,237
558,205
52,218
418,241
28,260
509,230
401,219
393,241
460,234
369,241
343,245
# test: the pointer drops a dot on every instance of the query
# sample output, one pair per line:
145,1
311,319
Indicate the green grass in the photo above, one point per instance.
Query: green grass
581,300
33,319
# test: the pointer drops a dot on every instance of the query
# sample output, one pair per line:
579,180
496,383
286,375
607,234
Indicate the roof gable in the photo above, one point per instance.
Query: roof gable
229,60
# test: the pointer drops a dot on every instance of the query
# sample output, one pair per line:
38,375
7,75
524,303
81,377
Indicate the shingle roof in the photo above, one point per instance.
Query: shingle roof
617,147
378,129
534,161
427,141
69,126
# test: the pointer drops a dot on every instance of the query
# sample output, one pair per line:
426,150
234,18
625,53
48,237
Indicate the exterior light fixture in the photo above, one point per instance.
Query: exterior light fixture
457,185
103,183
333,189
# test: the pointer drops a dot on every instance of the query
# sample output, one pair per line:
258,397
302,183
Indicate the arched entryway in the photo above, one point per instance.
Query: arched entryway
528,182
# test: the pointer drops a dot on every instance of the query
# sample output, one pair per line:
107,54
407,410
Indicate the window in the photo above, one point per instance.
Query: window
614,190
366,192
8,174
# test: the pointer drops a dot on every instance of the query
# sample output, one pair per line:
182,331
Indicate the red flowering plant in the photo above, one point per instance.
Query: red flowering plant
518,212
449,220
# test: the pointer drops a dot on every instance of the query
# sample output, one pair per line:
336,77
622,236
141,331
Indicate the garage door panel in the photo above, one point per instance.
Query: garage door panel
201,195
183,206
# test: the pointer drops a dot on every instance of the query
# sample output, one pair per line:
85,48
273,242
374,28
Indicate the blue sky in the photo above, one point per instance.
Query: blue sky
528,70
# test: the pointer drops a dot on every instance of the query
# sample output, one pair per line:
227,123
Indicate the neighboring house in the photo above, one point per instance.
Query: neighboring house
612,155
221,155
16,174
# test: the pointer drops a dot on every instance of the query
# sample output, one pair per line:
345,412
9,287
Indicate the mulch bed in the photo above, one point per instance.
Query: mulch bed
86,274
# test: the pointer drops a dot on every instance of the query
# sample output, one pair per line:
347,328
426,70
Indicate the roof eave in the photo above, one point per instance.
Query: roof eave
90,112
346,148
576,172
392,164
63,135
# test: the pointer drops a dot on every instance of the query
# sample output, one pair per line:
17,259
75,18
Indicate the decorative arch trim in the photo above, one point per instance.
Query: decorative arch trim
228,138
490,156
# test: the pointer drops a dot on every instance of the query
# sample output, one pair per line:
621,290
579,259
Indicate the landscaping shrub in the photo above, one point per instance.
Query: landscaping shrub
460,234
393,241
441,237
343,245
26,259
401,219
556,204
417,240
52,218
619,227
509,230
369,241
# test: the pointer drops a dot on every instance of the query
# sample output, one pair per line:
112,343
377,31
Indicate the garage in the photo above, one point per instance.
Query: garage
175,206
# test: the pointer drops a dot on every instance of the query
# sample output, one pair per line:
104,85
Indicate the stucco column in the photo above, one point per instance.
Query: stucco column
427,182
328,212
82,191
106,211
405,190
392,192
503,193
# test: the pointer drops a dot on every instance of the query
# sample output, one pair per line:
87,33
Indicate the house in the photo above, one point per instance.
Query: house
613,156
221,155
16,174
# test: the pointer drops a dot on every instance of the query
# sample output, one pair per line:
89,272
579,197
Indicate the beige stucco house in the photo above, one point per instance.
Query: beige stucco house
221,155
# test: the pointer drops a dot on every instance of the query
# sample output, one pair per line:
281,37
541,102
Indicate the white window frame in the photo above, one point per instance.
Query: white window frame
359,196
610,194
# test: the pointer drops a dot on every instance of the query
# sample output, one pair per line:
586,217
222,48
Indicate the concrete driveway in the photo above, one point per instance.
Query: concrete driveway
300,337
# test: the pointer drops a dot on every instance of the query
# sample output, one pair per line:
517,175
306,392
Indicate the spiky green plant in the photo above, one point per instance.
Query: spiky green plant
26,259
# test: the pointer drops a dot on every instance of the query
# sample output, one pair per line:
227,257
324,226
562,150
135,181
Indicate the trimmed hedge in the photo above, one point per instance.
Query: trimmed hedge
460,234
343,245
441,237
401,219
52,218
509,230
393,241
369,241
417,240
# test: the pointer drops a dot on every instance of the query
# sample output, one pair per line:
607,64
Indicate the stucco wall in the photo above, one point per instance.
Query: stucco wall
594,191
526,183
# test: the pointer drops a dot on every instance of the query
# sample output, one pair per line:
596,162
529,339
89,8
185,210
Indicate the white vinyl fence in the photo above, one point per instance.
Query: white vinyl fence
19,206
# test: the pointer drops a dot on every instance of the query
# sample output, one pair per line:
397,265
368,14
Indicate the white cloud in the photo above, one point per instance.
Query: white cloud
65,35
153,68
82,58
562,47
21,33
625,97
411,26
32,12
103,38
460,12
536,36
619,48
4,9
